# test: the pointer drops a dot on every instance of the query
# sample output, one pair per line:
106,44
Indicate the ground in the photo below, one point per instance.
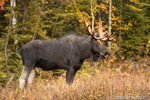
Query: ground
130,81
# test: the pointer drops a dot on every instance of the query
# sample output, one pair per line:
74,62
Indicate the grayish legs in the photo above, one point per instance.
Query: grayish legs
30,78
24,76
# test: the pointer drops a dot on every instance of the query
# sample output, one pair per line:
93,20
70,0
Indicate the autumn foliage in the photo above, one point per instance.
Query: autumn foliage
2,2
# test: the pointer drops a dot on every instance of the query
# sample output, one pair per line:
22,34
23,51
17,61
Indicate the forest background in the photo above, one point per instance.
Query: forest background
51,19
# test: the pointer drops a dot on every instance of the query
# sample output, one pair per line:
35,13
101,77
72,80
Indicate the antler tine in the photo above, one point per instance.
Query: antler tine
112,37
109,38
99,27
100,30
89,28
104,35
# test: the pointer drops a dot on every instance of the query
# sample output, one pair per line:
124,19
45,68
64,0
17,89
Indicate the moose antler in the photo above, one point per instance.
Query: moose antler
89,29
107,37
104,36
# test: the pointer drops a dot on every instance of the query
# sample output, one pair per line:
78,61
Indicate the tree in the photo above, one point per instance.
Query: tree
7,39
110,5
120,28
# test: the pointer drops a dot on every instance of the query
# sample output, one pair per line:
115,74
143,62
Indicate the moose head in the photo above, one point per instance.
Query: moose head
98,50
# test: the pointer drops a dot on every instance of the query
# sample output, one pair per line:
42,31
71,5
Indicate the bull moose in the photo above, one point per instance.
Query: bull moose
68,52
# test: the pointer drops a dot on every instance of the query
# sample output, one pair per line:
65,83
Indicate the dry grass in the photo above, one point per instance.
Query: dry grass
98,85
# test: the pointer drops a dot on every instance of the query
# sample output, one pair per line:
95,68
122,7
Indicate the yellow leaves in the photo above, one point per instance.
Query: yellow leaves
113,7
132,0
145,60
105,61
148,44
129,24
46,2
113,18
71,10
134,8
115,25
124,28
81,20
95,7
79,12
137,2
2,3
106,1
107,65
119,20
108,69
103,7
66,10
111,60
103,28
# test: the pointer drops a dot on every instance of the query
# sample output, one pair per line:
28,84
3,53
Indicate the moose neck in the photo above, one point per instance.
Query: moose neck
91,55
85,48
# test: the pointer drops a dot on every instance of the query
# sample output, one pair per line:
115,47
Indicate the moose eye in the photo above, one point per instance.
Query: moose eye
97,43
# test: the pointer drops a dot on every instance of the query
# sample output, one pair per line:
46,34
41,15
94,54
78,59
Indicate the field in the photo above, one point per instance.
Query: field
122,80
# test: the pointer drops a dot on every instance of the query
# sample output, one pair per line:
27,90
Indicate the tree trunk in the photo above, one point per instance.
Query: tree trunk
110,5
7,39
120,29
91,58
14,22
92,17
100,9
24,17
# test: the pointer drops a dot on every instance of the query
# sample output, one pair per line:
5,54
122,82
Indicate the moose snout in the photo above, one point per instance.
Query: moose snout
105,56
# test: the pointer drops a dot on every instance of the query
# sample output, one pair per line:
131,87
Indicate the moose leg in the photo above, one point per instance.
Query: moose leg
70,75
24,76
30,78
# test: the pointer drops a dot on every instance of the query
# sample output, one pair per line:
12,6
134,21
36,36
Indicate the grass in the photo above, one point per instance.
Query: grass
120,79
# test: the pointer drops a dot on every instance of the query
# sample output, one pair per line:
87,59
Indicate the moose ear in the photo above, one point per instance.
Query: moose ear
96,34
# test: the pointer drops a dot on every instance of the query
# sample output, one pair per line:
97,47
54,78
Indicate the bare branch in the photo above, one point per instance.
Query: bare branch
37,22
